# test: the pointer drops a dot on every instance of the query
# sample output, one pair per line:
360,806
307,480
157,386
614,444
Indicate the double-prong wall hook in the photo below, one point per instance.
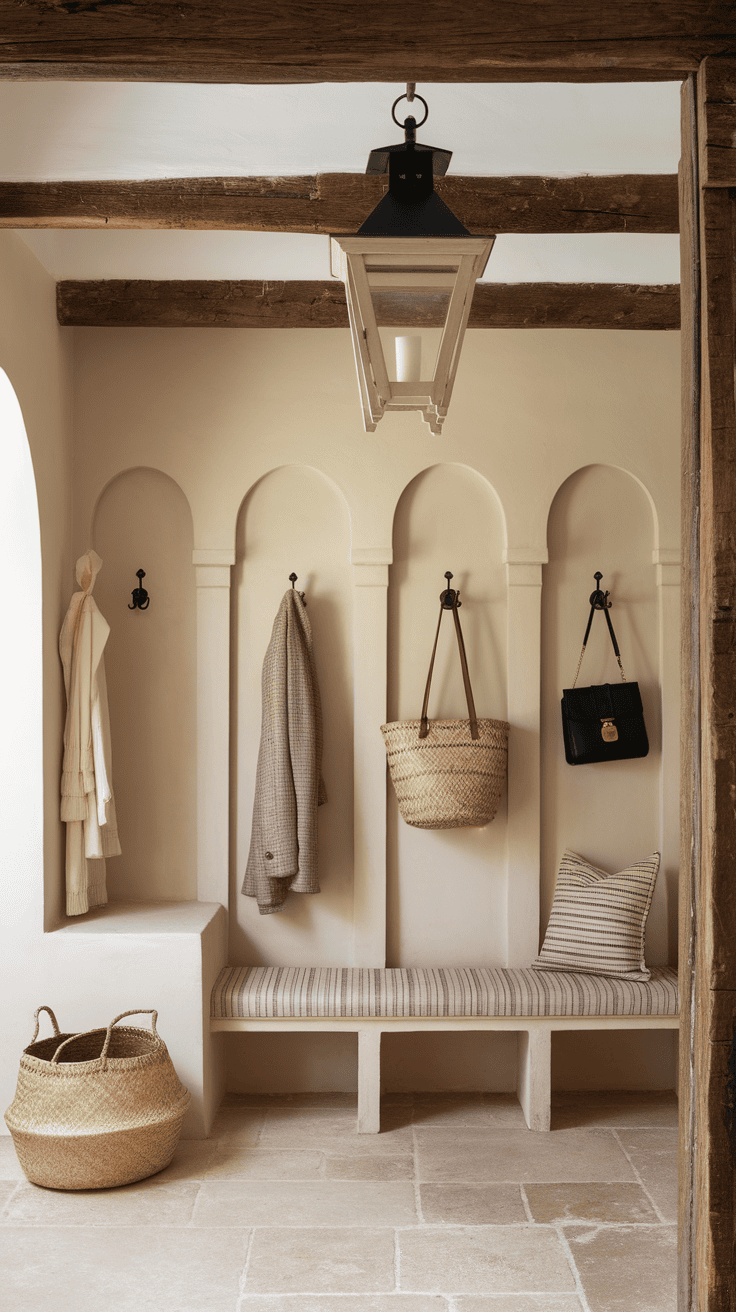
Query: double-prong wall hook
599,600
140,597
450,597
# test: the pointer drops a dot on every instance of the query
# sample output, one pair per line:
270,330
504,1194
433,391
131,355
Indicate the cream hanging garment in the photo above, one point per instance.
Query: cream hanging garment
87,803
289,784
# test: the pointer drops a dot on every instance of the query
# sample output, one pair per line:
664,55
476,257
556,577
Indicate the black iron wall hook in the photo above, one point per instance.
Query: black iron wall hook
599,600
292,579
450,597
140,597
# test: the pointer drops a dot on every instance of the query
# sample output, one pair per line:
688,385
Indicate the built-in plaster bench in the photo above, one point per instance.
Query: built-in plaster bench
374,1002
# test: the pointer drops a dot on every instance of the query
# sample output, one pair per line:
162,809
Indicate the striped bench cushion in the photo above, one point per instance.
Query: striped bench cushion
283,991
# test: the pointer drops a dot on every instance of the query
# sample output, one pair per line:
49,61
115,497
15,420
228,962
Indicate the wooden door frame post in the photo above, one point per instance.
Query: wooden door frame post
707,1206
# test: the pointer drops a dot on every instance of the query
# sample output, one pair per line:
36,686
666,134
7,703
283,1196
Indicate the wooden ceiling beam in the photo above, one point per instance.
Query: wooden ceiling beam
192,304
361,40
339,202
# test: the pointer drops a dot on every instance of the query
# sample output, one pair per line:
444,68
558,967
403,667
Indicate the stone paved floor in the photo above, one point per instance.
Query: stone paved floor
454,1207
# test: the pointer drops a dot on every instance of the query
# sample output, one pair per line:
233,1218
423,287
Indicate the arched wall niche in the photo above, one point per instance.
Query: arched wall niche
630,477
142,520
294,520
602,518
447,888
21,661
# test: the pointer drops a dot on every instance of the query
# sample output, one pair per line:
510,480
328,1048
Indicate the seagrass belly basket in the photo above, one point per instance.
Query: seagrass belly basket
96,1109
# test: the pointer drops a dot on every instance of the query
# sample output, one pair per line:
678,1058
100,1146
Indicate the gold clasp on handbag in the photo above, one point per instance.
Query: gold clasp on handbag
609,732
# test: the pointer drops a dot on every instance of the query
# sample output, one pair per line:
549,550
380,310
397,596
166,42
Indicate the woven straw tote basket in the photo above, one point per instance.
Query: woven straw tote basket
448,774
96,1109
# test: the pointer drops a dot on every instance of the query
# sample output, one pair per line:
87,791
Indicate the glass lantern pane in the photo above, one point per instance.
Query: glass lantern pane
409,313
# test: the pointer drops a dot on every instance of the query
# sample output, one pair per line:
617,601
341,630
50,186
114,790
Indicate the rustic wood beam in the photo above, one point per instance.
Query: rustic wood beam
716,107
361,40
190,304
339,202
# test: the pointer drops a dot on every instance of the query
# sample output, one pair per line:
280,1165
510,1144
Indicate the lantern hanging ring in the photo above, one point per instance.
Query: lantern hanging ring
412,97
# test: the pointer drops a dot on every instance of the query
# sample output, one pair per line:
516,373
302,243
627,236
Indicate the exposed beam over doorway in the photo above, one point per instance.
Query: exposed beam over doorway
211,304
369,40
339,202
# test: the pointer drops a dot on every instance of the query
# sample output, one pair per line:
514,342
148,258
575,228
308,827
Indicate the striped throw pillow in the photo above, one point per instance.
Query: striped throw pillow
597,921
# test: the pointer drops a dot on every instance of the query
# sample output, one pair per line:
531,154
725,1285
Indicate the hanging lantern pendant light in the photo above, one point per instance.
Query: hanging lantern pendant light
411,263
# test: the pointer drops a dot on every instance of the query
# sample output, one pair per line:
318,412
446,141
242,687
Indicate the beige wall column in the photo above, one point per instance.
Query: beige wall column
212,575
524,573
370,569
667,562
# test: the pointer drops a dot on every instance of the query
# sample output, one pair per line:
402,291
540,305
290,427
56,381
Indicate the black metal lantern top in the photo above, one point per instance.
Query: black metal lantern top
411,207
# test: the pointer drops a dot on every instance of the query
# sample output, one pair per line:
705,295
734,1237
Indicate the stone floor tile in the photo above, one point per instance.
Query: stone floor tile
145,1202
231,1162
332,1203
334,1133
504,1109
320,1261
449,1109
625,1268
520,1155
191,1160
10,1167
483,1260
623,1203
654,1154
352,1303
614,1109
369,1168
519,1303
7,1188
130,1268
472,1204
241,1125
262,1100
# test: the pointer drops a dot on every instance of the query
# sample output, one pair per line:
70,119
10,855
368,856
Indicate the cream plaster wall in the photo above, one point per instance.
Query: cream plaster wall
143,521
94,967
218,412
295,521
609,813
447,518
36,356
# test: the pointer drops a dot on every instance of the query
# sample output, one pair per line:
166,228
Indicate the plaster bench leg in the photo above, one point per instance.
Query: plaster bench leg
369,1080
533,1079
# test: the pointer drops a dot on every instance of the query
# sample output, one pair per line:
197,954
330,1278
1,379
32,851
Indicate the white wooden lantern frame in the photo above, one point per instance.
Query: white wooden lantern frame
410,265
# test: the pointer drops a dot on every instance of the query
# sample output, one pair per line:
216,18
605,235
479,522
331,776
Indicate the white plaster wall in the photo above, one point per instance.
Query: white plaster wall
218,411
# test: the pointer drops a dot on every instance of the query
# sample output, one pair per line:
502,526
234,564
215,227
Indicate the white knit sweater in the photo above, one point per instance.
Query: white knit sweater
87,803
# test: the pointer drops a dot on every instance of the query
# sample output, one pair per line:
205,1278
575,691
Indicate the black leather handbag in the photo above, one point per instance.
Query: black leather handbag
604,722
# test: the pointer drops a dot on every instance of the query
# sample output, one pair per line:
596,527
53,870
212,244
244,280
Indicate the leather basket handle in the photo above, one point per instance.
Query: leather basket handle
424,725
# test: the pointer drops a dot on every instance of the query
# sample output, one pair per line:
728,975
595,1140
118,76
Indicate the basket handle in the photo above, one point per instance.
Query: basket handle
54,1022
143,1011
424,726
